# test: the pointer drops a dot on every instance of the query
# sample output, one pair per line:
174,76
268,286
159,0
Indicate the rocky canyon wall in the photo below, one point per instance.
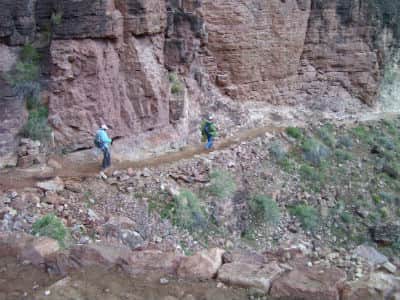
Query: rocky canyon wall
109,61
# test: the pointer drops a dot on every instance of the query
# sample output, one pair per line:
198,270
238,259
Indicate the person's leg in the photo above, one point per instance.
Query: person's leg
209,142
108,162
105,158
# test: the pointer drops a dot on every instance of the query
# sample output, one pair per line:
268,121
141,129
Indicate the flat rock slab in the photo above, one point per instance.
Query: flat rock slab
371,255
378,286
249,276
202,265
53,185
314,283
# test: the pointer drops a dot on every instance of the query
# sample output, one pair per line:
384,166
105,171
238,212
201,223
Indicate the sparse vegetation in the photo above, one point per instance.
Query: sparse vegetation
25,75
176,84
185,211
277,151
265,209
307,215
314,151
25,80
222,184
294,132
56,18
325,133
37,128
52,227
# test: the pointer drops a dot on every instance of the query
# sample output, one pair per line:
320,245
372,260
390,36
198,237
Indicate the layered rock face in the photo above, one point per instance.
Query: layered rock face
292,51
108,60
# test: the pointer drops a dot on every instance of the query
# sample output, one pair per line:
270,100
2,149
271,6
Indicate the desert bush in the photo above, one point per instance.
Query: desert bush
222,184
294,132
25,74
314,151
56,18
342,155
307,215
346,217
37,128
187,211
311,174
277,151
344,141
52,227
176,84
363,134
325,133
265,209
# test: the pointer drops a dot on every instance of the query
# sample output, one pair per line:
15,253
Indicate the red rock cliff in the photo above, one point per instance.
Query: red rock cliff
109,60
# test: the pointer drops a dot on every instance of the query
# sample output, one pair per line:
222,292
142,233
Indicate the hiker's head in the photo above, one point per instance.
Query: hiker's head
104,127
210,118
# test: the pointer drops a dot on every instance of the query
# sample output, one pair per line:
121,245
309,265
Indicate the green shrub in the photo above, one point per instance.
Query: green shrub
346,217
176,84
52,227
342,155
311,174
29,54
362,133
287,164
314,151
294,132
307,215
277,151
25,74
56,18
386,142
344,141
222,184
37,127
187,211
326,135
265,209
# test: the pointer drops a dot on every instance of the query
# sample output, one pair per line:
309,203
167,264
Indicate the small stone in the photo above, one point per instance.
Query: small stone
164,281
47,293
309,264
388,266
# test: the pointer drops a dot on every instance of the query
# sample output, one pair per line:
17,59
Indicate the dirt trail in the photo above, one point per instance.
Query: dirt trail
18,178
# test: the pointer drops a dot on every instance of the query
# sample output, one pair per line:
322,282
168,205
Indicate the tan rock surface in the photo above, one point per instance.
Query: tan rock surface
249,276
202,265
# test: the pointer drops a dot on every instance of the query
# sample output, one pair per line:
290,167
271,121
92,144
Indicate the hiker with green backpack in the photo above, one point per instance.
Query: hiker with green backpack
103,142
208,131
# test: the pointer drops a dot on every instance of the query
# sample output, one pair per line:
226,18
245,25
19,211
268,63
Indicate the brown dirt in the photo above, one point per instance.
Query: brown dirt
18,281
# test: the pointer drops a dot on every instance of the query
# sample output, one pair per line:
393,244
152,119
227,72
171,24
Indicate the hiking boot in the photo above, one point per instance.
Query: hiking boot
103,175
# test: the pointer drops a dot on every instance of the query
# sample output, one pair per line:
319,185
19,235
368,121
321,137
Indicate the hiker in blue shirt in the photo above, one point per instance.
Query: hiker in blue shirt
103,142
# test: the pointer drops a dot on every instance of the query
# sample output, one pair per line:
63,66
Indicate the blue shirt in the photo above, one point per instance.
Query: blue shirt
103,137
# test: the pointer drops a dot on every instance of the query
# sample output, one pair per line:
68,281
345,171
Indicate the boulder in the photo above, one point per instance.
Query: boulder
12,243
52,185
249,276
309,283
202,265
142,262
100,254
39,249
378,286
371,255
